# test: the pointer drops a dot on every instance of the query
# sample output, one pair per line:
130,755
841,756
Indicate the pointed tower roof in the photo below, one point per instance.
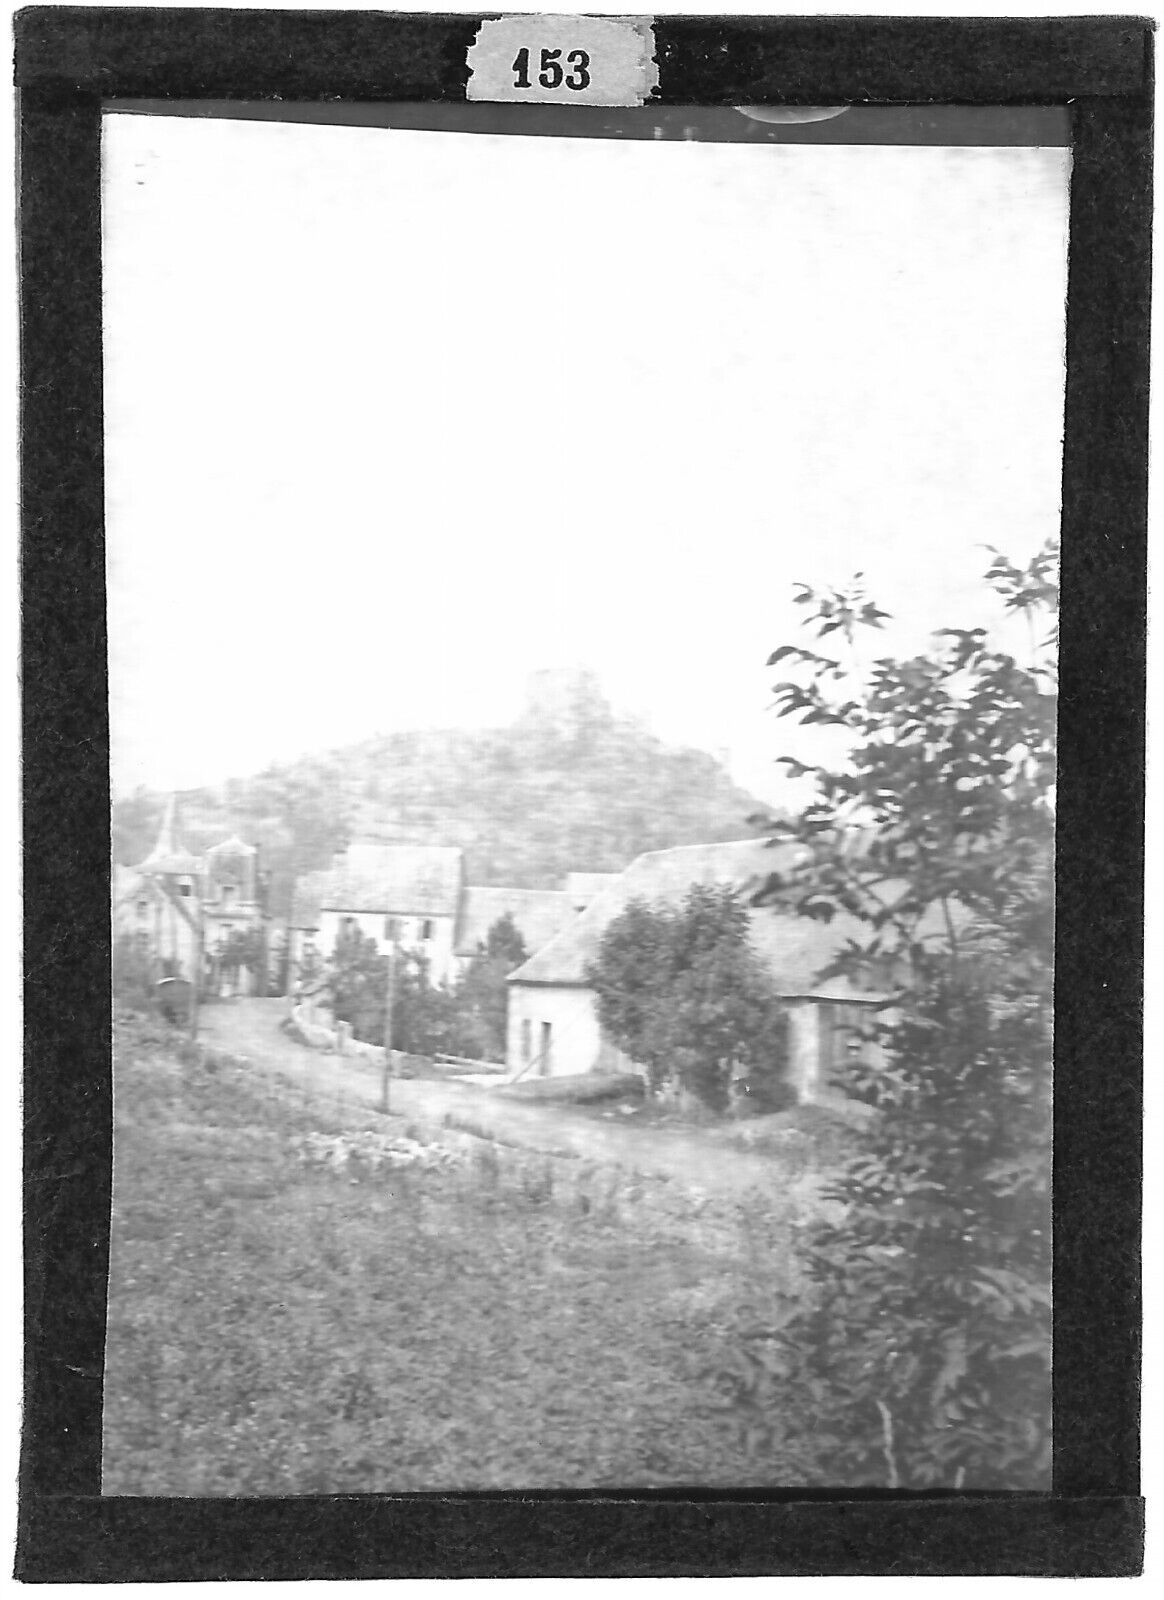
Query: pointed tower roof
234,846
167,856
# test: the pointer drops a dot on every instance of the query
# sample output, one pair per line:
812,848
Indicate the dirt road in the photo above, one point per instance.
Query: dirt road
250,1029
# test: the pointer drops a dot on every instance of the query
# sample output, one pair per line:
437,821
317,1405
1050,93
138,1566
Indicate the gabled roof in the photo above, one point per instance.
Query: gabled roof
234,846
167,858
583,886
411,879
539,914
795,949
128,883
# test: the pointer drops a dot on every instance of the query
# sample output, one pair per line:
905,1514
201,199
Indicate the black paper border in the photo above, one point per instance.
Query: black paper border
70,60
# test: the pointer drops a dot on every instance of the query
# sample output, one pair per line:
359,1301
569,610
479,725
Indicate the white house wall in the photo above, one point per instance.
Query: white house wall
804,1050
439,948
576,1042
816,1032
162,928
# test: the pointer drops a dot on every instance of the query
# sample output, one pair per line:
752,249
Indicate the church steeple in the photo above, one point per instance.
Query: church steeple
167,855
166,845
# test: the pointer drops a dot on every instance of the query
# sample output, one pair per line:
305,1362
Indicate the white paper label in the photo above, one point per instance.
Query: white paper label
580,61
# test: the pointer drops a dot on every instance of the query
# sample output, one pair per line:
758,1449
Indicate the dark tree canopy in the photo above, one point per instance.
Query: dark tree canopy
681,991
466,1018
482,995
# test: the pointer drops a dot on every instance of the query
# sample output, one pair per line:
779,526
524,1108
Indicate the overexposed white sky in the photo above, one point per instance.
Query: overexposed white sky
395,417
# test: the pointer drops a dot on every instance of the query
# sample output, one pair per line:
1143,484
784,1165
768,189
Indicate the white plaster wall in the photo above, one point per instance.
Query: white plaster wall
576,1041
804,1049
409,929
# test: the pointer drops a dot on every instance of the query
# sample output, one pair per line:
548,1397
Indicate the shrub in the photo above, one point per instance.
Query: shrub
922,1358
680,991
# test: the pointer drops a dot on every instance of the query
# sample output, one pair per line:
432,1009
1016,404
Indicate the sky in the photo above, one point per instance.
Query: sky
395,417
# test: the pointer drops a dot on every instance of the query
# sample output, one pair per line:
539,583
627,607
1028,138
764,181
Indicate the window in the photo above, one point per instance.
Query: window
185,888
228,894
391,928
142,907
426,929
544,1052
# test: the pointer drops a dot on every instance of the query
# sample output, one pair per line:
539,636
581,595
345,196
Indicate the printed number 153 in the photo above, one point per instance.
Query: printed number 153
553,75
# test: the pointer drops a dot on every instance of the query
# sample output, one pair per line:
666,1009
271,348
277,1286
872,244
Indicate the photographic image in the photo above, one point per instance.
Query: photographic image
582,606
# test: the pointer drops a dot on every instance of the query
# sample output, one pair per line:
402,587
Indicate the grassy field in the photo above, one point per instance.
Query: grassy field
503,1321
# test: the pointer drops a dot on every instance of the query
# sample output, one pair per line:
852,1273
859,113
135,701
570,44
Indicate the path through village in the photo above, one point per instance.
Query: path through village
250,1031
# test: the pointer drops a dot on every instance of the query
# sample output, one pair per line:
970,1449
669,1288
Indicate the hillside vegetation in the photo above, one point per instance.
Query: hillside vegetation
567,787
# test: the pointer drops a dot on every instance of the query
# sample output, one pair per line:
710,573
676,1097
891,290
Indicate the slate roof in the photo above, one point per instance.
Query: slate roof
583,886
167,857
234,846
540,914
128,883
406,879
795,949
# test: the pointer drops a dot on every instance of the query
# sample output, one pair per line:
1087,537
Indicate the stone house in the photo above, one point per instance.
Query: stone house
182,908
402,895
539,915
415,896
582,887
553,1026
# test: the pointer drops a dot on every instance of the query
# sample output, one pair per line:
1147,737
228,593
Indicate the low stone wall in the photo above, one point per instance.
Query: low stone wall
336,1041
299,1027
346,1045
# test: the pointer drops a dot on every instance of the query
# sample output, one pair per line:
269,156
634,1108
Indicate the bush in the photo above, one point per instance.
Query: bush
680,991
133,978
922,1358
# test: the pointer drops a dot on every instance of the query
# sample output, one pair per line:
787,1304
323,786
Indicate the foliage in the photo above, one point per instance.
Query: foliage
133,975
923,1359
466,1019
309,969
592,797
427,1020
244,949
357,982
680,991
482,995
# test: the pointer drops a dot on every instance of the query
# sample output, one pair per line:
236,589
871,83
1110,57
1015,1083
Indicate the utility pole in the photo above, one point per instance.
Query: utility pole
389,1017
196,976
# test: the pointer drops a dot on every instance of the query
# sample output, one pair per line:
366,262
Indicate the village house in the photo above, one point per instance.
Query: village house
182,908
402,896
582,887
539,915
553,1026
414,898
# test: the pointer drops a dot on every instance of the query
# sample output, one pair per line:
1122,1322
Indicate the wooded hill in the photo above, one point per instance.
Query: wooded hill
570,786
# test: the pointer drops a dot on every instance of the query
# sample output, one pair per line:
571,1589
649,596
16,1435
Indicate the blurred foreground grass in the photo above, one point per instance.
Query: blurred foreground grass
507,1322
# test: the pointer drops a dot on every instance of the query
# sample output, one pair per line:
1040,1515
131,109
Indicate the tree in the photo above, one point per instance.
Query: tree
242,950
680,991
357,981
482,994
425,1019
133,971
922,1358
